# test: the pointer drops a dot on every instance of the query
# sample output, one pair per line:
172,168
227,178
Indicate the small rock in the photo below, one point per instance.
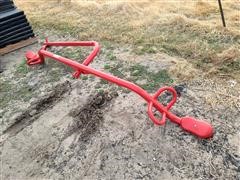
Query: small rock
232,83
33,112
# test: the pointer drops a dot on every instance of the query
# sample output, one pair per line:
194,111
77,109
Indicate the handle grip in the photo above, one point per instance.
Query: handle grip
199,128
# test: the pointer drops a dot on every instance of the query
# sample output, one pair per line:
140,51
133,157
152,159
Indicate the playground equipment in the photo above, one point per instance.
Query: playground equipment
199,128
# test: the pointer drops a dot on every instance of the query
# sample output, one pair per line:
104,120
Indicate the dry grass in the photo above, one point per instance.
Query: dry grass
188,29
183,70
218,92
143,12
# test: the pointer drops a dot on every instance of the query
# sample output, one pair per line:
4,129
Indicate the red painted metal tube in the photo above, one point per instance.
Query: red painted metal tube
199,128
113,79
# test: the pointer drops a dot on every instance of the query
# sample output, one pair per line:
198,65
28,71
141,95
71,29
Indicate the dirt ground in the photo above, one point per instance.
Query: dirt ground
56,127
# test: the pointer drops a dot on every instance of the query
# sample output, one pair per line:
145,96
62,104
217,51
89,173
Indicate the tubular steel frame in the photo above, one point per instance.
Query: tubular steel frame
199,128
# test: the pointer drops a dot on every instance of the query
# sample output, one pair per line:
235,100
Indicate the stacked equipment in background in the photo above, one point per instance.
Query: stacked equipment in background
14,26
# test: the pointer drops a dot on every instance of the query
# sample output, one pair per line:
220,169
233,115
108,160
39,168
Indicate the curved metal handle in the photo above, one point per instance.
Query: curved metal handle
170,104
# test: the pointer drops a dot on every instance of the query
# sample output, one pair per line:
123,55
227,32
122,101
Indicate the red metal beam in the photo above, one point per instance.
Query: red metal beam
199,128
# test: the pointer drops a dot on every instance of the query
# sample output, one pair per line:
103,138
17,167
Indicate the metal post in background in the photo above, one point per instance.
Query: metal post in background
221,11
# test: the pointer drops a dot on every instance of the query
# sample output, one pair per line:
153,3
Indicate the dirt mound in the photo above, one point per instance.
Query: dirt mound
89,118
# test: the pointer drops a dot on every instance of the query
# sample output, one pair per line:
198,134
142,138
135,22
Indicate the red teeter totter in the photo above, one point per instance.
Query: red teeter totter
199,128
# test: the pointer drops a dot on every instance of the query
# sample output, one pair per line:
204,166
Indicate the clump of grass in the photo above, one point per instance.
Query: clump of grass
153,80
228,62
103,81
231,66
141,75
107,66
205,8
22,68
75,54
183,70
117,69
55,74
147,48
111,56
138,71
4,88
11,92
84,78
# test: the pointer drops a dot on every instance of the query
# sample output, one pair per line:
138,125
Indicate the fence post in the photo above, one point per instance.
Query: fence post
221,11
